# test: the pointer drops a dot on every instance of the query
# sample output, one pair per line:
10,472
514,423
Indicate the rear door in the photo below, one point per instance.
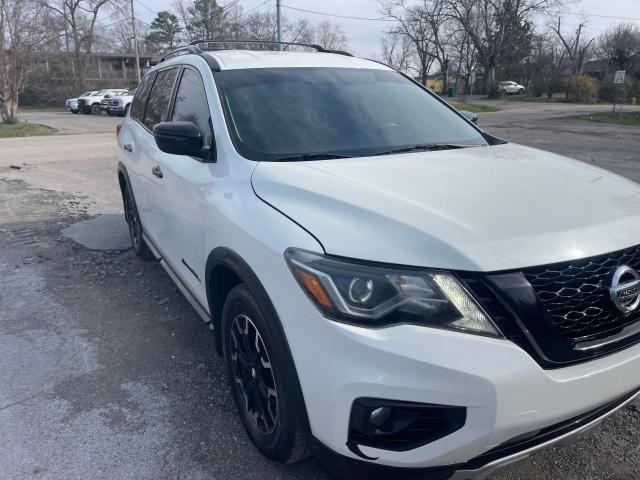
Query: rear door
129,142
186,180
152,215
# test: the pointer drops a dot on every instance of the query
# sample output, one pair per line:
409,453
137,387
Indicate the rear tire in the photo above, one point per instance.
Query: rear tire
262,378
140,247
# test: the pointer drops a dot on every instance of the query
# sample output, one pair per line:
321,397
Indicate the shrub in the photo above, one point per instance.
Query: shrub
583,89
538,90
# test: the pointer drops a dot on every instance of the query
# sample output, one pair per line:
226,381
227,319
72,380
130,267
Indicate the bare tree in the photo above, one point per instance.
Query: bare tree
397,51
22,34
80,18
575,46
496,26
261,26
330,36
620,45
437,15
412,24
120,36
464,56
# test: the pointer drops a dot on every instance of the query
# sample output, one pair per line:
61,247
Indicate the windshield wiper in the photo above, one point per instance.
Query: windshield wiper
311,156
428,147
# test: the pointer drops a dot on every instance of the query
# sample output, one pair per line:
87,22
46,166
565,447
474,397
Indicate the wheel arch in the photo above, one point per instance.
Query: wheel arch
123,181
225,269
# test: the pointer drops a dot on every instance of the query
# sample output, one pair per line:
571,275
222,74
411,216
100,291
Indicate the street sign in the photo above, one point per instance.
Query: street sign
619,78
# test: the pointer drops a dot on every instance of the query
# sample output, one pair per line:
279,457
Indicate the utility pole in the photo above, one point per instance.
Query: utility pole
279,20
135,42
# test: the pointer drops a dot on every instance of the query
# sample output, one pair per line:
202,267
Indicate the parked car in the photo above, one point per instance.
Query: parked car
72,103
392,288
91,104
471,116
510,88
120,104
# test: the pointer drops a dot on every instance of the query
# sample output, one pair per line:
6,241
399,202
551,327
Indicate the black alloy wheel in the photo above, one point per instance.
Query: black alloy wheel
135,228
262,376
253,375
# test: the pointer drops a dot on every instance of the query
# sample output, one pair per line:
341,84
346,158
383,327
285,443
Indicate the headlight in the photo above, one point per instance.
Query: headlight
376,296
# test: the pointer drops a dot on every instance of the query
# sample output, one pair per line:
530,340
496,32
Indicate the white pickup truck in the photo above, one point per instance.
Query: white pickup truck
91,104
120,104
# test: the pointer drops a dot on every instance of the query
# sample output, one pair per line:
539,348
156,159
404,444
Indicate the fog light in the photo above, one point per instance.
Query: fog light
400,426
379,416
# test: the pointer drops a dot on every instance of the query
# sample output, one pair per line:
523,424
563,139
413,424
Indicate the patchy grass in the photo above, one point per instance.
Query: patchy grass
557,97
24,129
629,119
473,107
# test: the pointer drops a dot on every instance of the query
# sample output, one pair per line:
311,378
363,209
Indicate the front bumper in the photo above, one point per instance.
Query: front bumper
117,110
506,393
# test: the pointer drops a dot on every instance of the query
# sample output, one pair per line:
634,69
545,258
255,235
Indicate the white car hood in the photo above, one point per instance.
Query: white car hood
481,209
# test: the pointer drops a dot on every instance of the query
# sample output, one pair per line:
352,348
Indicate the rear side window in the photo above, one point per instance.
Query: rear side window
191,104
160,97
142,93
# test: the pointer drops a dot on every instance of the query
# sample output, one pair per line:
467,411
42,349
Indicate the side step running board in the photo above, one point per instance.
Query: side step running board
179,283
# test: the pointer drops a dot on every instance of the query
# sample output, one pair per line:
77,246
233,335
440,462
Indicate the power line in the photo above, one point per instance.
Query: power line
371,19
339,16
599,16
147,7
256,7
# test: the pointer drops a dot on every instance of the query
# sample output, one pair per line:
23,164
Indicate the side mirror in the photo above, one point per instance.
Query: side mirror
471,116
107,96
180,138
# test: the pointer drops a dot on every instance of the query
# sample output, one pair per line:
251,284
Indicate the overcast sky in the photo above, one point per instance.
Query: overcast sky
364,36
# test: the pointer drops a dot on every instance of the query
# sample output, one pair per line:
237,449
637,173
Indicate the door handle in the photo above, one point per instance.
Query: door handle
128,147
157,171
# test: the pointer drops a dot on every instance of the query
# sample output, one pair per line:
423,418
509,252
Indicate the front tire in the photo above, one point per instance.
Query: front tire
140,247
95,109
262,378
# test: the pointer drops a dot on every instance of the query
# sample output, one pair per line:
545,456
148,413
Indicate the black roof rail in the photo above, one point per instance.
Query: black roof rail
314,46
195,50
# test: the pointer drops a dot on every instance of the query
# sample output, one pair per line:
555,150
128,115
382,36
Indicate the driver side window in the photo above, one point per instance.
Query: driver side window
191,104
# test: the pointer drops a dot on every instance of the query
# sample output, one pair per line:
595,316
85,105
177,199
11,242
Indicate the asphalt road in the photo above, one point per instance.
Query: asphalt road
107,372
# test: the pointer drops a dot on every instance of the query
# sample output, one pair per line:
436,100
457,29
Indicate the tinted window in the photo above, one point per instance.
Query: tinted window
282,112
159,98
191,104
142,93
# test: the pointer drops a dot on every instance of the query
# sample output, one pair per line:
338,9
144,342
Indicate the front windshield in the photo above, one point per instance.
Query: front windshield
100,92
86,94
289,112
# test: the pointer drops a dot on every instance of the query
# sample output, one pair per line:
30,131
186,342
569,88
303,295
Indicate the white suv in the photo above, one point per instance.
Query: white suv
391,287
509,88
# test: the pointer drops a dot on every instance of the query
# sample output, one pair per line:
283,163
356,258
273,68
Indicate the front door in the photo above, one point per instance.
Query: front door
186,181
